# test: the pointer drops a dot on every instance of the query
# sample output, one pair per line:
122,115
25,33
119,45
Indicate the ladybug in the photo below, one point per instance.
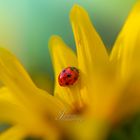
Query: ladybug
68,76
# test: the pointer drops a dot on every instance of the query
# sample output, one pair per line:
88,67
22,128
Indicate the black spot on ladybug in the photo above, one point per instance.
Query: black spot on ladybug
63,71
67,83
68,75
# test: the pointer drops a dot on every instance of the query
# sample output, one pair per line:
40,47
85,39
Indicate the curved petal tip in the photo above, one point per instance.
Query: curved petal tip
54,40
77,10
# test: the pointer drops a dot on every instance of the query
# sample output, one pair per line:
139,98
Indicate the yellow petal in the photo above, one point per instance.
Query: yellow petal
36,106
126,51
5,94
91,52
13,133
10,112
21,86
13,113
129,103
126,56
62,57
90,49
90,128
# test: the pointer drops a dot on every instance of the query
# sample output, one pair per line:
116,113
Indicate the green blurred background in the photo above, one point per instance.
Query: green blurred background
26,26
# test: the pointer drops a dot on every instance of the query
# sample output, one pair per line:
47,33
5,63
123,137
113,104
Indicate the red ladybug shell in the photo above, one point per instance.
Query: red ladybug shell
68,76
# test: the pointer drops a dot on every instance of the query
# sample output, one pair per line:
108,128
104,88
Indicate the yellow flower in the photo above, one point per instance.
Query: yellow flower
107,91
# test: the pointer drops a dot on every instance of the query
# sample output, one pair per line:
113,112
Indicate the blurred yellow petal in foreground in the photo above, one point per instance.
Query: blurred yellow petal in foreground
107,91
